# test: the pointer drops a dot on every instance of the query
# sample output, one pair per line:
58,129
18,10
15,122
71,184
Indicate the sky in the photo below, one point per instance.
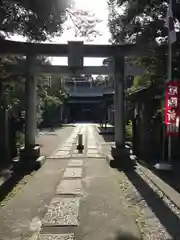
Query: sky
99,7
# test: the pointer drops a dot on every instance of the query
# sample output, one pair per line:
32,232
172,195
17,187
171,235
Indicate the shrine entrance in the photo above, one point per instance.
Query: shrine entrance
75,51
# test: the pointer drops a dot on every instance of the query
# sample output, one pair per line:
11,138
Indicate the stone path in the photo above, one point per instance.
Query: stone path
63,210
50,140
64,214
64,150
73,196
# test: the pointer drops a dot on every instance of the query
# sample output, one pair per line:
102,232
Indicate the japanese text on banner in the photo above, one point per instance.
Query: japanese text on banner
172,113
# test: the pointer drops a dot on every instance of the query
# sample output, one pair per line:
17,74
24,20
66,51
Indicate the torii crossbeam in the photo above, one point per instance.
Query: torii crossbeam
61,50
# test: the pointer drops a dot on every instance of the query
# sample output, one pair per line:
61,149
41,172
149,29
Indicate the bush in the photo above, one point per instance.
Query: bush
52,105
19,139
129,131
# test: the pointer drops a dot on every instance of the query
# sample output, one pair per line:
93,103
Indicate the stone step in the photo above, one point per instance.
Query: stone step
73,173
75,163
70,187
62,212
69,236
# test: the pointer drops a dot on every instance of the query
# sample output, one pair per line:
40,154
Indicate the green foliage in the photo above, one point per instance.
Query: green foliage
52,101
83,23
50,110
19,139
142,22
104,81
129,131
42,20
141,81
35,20
139,21
50,97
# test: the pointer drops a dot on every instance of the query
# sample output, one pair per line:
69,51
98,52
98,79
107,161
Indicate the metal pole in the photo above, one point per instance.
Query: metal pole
163,142
169,79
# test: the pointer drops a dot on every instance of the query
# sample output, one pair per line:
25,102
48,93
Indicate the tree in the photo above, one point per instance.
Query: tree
143,22
139,21
51,99
83,23
35,20
42,20
14,88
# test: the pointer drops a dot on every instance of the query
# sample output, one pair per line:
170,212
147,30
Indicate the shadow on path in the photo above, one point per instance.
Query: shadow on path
165,215
107,133
8,186
171,178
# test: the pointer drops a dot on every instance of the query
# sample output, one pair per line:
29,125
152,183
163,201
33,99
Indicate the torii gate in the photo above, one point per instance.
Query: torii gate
75,51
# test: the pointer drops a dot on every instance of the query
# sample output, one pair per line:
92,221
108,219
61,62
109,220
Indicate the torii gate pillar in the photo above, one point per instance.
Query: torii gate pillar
30,152
119,152
30,90
119,99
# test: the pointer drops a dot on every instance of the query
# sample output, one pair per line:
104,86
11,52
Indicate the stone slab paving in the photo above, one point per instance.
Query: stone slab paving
75,163
65,148
93,155
72,186
62,153
92,147
73,173
74,138
67,144
62,157
62,212
69,236
90,151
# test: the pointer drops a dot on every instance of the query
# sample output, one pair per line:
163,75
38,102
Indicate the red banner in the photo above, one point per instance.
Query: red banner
172,113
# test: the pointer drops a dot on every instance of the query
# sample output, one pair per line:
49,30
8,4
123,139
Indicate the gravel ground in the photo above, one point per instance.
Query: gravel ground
173,226
166,200
155,215
19,187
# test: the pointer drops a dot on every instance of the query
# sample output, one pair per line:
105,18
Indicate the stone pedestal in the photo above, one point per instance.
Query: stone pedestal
29,159
31,154
121,158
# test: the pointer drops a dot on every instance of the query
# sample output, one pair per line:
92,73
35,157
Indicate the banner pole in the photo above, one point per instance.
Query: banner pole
169,149
167,164
169,79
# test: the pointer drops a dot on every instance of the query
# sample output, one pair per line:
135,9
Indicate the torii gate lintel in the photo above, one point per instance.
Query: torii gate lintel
62,50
